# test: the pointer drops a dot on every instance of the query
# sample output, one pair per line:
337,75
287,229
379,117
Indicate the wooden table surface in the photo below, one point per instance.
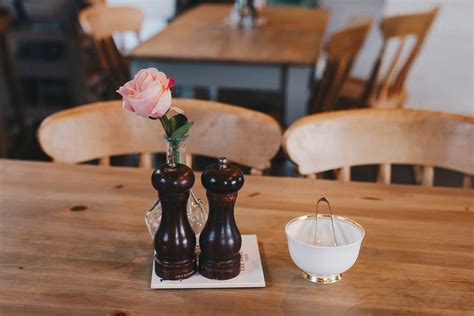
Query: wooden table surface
288,36
417,255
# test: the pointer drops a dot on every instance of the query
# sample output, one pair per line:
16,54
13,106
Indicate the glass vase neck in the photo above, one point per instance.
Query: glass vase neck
175,149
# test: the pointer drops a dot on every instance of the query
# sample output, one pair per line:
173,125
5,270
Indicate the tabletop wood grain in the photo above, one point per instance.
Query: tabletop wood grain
288,36
73,241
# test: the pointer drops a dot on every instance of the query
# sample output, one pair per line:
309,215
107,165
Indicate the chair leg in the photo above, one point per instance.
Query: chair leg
144,160
344,174
467,182
418,174
104,161
385,174
427,176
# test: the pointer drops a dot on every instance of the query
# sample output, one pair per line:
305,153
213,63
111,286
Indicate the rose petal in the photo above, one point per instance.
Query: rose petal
147,94
142,107
161,77
127,106
163,105
153,91
144,102
140,78
170,83
146,83
140,73
125,91
132,85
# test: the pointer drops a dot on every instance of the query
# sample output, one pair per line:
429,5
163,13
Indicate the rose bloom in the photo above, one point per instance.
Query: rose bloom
148,94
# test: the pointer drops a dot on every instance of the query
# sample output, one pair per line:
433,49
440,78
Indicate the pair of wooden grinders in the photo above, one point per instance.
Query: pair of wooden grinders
219,241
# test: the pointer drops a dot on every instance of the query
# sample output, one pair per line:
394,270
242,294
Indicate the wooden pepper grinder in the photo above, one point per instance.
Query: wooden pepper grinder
175,240
220,240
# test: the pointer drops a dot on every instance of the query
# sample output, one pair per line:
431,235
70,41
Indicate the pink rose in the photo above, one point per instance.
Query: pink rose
148,93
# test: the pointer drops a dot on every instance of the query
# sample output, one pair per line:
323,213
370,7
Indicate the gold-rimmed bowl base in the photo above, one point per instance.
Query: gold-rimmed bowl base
322,280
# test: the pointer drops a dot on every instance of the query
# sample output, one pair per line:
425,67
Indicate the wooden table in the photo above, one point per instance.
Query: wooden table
73,241
200,50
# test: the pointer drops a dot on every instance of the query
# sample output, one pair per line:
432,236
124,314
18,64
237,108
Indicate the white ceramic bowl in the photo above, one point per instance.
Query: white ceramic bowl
320,260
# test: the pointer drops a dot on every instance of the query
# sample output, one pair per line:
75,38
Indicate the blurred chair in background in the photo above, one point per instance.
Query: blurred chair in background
104,129
341,50
95,2
101,22
338,140
9,88
385,87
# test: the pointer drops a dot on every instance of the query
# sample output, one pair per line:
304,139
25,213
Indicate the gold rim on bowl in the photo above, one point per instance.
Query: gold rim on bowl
322,280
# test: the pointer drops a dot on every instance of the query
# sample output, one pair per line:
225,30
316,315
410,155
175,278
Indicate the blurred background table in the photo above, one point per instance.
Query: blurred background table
73,240
201,50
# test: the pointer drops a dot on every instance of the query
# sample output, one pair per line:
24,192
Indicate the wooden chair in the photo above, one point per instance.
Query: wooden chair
101,22
385,89
10,89
95,2
341,49
338,140
100,130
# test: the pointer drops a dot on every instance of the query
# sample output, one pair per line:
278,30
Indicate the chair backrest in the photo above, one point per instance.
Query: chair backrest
5,21
329,141
104,129
341,49
95,2
397,29
101,22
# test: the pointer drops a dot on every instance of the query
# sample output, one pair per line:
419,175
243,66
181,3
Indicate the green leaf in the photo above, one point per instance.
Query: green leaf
181,131
177,121
166,125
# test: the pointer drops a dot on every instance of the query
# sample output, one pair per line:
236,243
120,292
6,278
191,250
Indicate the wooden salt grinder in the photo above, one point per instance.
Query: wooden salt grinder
220,240
175,240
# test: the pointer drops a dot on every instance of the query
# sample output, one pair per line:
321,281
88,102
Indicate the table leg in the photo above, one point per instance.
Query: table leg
187,92
213,93
296,93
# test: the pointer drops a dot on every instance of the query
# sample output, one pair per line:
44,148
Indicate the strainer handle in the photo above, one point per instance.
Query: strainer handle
325,200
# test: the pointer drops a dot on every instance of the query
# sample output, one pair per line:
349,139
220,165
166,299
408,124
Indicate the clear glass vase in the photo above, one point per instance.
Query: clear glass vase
244,14
197,211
